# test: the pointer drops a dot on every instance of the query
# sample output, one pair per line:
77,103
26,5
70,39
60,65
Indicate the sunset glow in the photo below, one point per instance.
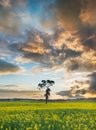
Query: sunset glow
48,39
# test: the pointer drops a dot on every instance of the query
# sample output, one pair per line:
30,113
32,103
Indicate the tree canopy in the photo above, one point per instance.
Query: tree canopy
46,84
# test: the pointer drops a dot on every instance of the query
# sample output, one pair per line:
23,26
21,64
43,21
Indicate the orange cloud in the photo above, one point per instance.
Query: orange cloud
88,12
68,13
5,3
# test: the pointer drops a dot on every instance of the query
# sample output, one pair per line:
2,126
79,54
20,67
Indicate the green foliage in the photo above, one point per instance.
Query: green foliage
53,116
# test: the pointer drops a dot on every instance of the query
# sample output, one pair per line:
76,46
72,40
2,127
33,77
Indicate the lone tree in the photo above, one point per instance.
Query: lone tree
46,84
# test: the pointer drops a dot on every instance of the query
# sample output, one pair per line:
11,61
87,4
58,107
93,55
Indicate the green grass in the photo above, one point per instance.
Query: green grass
53,116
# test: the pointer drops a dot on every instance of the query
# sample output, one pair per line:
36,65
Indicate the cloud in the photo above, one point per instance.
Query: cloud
82,88
92,87
19,2
8,86
16,87
40,47
58,49
74,92
70,45
68,13
11,16
5,3
18,16
48,17
21,94
88,37
83,63
65,93
74,14
10,3
4,51
9,21
88,15
85,88
11,94
8,68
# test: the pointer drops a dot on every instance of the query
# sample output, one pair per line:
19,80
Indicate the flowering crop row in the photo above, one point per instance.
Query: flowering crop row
31,116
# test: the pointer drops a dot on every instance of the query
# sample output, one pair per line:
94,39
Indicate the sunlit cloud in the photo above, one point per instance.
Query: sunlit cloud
88,15
5,3
54,38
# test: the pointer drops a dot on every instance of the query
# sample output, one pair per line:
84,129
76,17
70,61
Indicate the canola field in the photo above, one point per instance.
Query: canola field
67,115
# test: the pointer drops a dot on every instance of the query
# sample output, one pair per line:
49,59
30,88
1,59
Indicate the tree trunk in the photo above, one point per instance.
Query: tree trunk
46,99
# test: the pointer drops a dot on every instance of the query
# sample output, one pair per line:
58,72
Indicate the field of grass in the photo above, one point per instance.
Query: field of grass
69,115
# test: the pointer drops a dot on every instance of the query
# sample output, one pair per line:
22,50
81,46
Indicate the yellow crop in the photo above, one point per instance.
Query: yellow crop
53,116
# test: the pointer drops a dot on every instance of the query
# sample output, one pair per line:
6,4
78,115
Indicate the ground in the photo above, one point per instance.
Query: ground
66,115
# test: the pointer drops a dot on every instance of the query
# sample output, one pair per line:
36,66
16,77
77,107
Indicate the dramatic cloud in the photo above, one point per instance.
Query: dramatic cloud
18,16
79,17
82,88
40,47
47,36
8,68
74,14
88,15
92,87
85,88
81,64
68,13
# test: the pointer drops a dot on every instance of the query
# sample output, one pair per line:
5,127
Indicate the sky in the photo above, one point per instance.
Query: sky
50,40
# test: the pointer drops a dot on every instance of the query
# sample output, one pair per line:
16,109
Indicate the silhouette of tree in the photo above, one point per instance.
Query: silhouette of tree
46,84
